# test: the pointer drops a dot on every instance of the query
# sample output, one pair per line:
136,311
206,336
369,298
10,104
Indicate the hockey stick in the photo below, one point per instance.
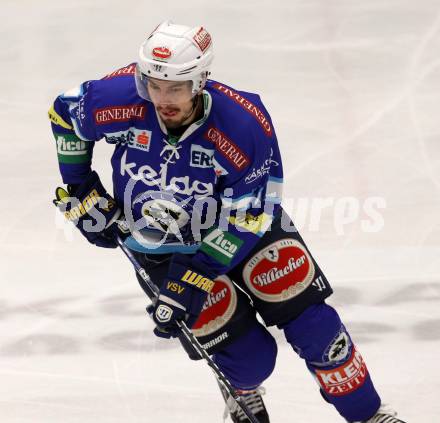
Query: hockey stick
192,340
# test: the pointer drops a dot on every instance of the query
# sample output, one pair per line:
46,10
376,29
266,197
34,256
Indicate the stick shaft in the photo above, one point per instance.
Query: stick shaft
154,291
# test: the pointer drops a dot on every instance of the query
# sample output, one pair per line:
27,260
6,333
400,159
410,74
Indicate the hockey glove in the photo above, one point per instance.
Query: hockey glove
182,295
91,209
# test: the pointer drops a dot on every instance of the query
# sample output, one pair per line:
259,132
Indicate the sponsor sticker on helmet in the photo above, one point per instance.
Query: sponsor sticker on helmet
218,308
161,53
280,271
202,39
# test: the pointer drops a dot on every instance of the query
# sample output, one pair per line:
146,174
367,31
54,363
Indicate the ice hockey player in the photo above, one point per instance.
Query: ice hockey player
197,174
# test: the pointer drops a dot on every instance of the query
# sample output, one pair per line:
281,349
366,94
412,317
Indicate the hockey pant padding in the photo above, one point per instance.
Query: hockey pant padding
250,359
320,338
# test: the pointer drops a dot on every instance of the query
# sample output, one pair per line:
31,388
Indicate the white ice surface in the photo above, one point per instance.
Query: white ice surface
353,88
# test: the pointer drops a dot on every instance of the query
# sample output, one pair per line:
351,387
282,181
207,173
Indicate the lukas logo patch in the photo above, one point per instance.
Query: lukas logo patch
222,246
279,272
218,308
201,157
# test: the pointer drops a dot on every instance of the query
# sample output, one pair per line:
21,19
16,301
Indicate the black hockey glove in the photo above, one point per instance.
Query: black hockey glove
91,209
182,295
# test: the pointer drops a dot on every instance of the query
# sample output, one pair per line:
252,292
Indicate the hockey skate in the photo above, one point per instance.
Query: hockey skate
252,399
384,415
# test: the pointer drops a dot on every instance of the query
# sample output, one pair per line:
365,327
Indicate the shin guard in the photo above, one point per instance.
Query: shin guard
320,338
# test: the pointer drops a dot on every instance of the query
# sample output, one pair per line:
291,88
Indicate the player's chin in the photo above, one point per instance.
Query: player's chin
173,122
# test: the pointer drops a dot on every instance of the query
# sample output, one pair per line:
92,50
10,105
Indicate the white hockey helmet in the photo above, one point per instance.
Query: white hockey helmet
175,53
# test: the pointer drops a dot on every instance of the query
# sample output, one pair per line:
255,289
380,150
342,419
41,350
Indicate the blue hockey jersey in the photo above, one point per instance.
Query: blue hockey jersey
219,183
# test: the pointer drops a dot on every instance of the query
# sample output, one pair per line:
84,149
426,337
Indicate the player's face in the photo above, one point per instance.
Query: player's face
172,100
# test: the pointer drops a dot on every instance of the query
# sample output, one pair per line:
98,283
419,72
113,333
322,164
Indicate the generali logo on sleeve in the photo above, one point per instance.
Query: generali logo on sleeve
248,106
119,114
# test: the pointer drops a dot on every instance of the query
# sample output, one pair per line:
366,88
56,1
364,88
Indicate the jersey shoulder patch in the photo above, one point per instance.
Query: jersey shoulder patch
57,119
128,70
254,108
